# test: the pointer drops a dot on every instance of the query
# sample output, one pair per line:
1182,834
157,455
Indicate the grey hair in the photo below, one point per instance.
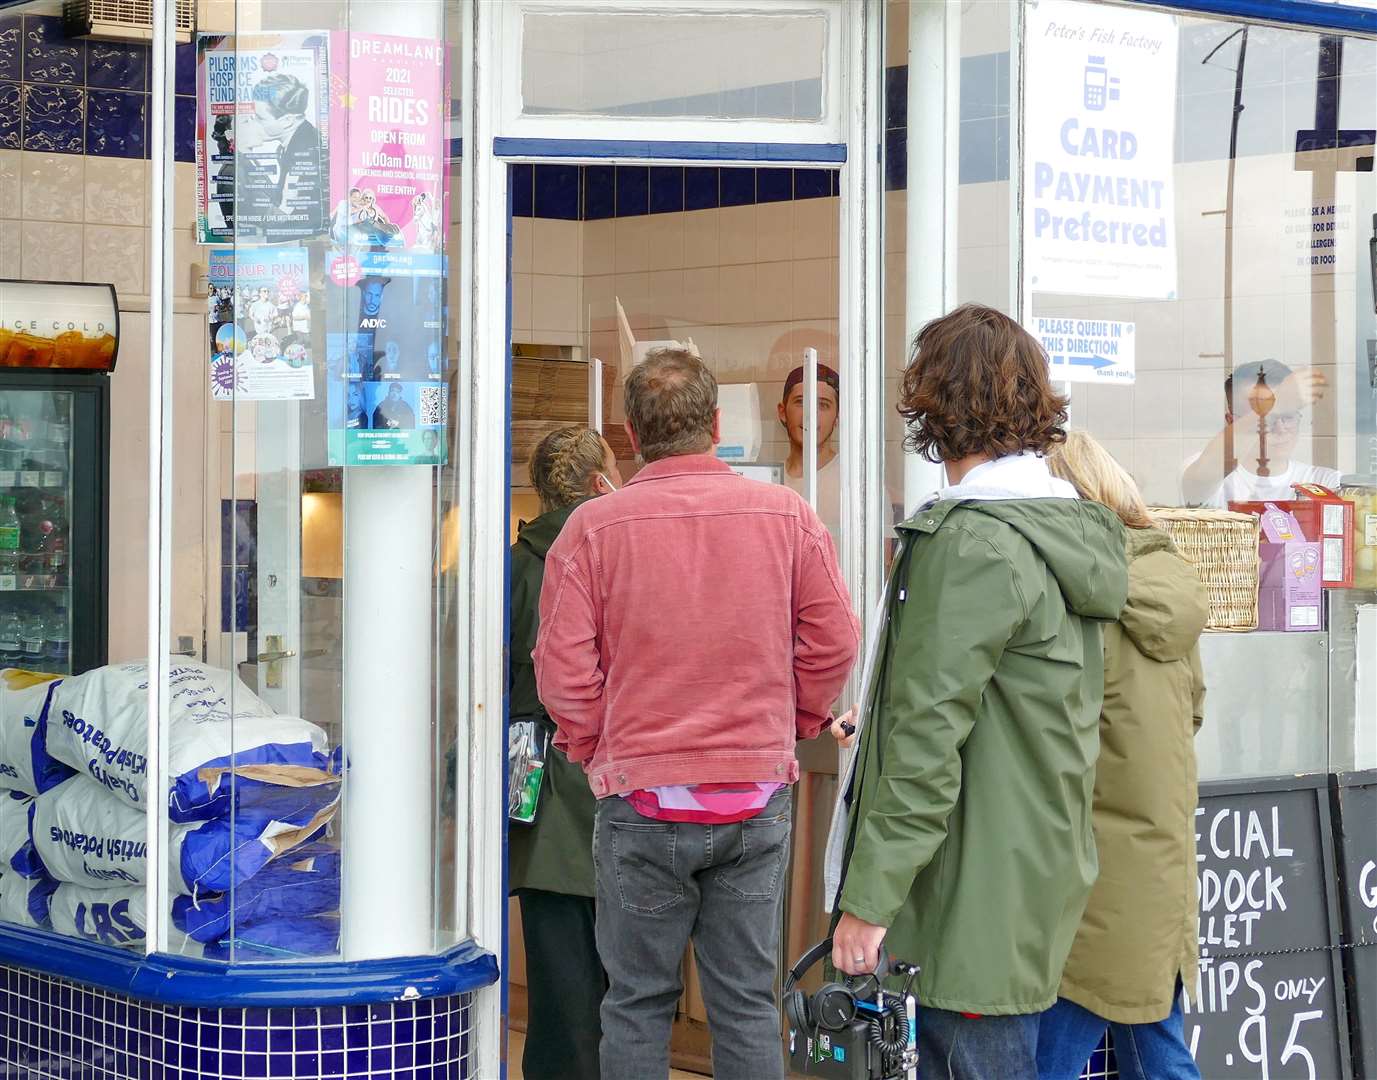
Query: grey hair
671,400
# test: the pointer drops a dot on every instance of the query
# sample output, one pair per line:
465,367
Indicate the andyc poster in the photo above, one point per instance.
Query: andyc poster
259,311
389,105
261,137
1100,215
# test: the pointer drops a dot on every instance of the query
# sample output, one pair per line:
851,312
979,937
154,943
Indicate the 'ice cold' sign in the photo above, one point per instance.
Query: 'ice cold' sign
1270,1002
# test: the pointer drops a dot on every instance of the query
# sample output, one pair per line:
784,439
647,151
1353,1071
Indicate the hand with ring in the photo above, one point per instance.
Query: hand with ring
856,945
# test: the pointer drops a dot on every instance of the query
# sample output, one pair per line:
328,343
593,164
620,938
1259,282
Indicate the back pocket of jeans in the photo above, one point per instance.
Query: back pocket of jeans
764,851
643,857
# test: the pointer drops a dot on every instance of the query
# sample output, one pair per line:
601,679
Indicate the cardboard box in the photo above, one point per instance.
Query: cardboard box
1324,519
1289,587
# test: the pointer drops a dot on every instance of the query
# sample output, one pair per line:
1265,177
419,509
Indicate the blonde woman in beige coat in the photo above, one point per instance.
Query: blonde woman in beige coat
1138,939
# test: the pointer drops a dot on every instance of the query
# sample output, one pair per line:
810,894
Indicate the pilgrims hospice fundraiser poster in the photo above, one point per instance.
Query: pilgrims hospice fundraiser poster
259,310
389,98
261,137
1099,217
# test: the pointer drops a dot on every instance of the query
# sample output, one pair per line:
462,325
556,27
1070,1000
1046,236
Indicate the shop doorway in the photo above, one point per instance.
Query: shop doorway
741,262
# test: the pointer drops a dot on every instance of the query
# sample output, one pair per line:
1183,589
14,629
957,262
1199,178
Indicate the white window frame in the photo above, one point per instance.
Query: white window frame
513,123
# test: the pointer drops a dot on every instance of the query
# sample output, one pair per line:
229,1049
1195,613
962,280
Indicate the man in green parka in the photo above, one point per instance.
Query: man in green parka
968,849
550,861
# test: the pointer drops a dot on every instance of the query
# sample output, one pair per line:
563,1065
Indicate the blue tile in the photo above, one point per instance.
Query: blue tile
738,187
12,48
896,96
184,129
381,1061
599,192
11,116
282,1065
812,183
231,1038
331,1014
306,1065
836,181
116,123
700,187
54,118
774,185
557,192
332,1065
280,1040
255,1065
117,65
896,159
332,1038
357,1062
666,189
307,1038
523,190
978,87
49,56
633,190
186,70
231,1064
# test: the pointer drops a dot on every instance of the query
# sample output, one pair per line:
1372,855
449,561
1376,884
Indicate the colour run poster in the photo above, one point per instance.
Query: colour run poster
259,312
1100,215
389,105
261,137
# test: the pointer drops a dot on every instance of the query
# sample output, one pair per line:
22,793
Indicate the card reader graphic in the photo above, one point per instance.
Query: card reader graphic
1100,87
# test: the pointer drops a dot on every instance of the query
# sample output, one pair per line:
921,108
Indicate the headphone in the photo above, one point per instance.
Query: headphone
831,1008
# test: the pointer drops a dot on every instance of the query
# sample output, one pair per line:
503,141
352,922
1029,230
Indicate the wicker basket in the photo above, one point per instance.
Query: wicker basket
1223,548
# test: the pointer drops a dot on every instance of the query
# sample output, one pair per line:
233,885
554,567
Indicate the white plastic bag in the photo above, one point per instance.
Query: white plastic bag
25,764
109,916
98,724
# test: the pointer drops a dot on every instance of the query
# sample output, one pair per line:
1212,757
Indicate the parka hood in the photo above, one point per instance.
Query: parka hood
1167,607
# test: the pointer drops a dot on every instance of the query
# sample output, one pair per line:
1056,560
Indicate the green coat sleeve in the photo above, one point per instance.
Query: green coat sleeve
961,606
1197,689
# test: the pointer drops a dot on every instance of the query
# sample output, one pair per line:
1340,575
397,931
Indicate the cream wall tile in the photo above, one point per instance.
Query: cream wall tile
896,33
982,277
774,231
1156,404
977,224
666,241
632,239
1157,468
895,346
116,191
896,281
1158,334
634,292
1105,411
52,251
1202,406
895,219
707,339
522,311
11,247
186,253
816,225
555,303
774,291
665,294
11,192
52,186
701,246
701,303
116,253
523,240
599,247
736,294
1202,334
815,289
1200,259
557,246
736,232
598,308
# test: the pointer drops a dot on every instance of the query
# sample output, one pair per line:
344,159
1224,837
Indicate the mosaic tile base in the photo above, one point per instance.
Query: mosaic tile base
52,1029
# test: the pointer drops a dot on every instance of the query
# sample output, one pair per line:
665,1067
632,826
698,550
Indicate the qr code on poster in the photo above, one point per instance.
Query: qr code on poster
434,406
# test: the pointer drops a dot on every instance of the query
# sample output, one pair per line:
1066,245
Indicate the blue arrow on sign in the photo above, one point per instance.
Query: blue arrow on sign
1096,362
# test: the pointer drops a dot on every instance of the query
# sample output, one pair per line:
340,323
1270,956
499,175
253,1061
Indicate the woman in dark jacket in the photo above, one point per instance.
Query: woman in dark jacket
1138,939
551,860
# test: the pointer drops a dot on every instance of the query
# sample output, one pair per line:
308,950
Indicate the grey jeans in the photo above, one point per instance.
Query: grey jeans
662,884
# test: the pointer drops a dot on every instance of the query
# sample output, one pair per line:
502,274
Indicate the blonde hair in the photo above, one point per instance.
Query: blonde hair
563,463
1093,472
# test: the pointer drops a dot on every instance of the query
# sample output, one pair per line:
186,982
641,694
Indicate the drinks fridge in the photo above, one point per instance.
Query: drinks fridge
54,442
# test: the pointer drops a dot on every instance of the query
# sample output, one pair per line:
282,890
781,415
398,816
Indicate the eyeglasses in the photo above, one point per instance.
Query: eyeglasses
1283,421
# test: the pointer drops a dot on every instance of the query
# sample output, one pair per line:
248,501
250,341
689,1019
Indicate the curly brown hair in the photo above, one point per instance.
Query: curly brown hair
977,383
563,465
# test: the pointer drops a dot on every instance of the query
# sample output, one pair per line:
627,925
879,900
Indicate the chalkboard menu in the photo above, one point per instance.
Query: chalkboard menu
1355,824
1271,1000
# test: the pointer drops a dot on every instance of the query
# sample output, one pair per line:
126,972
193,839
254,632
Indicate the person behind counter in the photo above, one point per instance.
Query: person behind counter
1263,404
968,850
550,868
1138,941
791,412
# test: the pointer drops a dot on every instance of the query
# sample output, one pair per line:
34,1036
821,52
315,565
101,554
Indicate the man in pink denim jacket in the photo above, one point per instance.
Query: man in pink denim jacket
693,627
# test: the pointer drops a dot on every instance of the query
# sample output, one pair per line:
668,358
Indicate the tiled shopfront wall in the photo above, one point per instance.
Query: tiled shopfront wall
72,96
51,1029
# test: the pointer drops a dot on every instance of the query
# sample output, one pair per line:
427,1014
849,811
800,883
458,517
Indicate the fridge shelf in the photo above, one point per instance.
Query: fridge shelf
48,479
31,583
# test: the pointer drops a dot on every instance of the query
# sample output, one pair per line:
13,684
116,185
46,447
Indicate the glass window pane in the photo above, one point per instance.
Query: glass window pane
665,64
